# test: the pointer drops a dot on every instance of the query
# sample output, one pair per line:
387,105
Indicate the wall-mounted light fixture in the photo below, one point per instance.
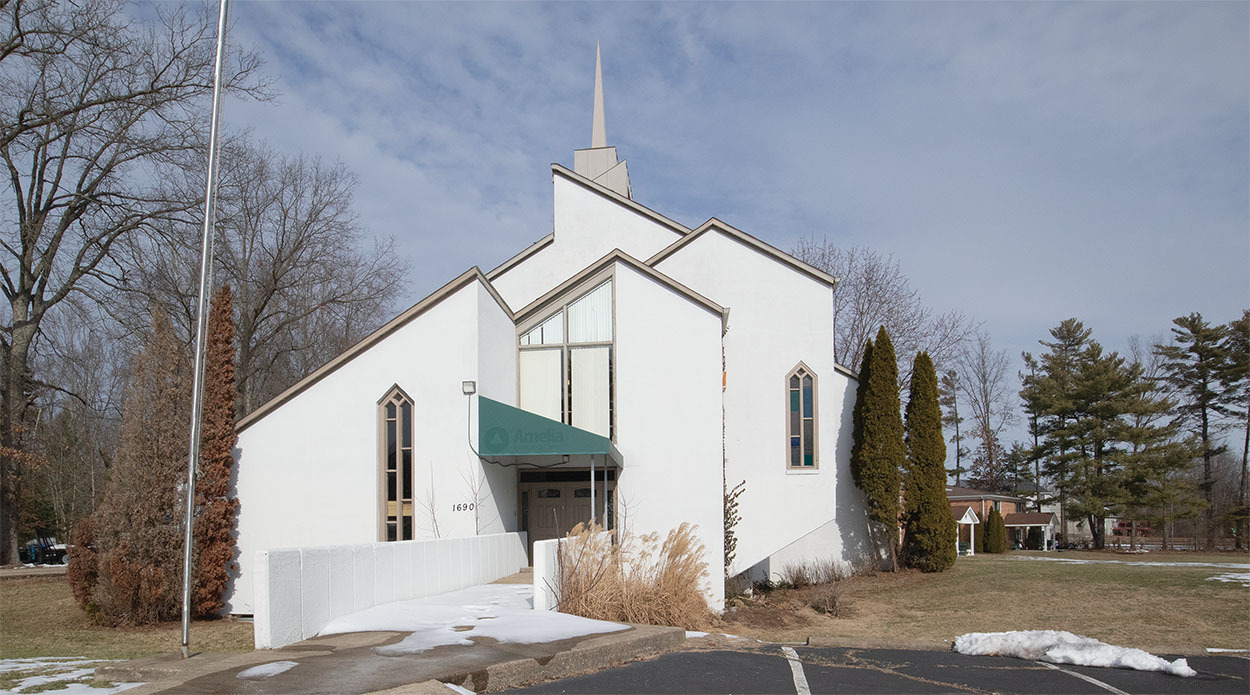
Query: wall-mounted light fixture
468,388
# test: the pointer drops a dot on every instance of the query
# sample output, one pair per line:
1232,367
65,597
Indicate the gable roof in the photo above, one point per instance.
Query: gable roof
471,275
748,241
524,254
964,514
619,256
608,193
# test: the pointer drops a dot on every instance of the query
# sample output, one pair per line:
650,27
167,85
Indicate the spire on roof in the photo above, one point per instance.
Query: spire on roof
599,132
598,162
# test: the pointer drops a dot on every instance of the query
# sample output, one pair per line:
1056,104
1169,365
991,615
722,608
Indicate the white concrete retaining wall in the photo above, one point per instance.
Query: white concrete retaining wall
546,574
547,571
298,590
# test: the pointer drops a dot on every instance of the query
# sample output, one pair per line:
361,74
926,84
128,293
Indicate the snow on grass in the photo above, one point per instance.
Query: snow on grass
457,689
1242,578
1059,647
268,670
1138,563
692,634
503,612
61,674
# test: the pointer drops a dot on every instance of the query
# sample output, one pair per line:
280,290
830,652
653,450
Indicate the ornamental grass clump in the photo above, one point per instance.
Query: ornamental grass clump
636,580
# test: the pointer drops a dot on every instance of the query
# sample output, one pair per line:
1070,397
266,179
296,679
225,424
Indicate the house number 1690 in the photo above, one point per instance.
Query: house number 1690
462,507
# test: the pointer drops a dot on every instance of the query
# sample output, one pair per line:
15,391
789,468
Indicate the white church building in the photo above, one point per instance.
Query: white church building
624,368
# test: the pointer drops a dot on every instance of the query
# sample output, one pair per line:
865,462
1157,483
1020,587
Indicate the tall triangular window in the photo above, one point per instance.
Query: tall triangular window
801,452
395,473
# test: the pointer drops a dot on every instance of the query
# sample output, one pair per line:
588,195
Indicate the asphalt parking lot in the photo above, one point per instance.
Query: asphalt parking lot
802,670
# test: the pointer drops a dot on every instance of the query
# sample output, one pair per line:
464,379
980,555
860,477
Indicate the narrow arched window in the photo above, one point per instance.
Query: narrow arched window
801,418
395,466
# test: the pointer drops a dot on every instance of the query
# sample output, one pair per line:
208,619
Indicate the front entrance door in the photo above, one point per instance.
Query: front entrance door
553,502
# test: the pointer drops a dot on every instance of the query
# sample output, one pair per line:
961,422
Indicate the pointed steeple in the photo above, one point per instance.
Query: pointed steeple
599,132
598,162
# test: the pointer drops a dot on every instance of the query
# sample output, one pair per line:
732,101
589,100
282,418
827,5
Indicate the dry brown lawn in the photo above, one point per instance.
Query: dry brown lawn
1157,608
38,617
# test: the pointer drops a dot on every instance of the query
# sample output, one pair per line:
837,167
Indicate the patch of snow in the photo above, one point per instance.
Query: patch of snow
1137,563
457,689
1218,650
1060,647
691,634
503,612
268,670
1242,578
68,673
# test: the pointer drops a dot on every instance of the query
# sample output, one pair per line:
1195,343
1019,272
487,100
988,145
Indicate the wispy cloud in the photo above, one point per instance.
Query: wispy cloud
1025,162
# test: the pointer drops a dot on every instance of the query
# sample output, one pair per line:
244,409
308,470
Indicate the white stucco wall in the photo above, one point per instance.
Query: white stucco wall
668,371
587,227
307,473
778,317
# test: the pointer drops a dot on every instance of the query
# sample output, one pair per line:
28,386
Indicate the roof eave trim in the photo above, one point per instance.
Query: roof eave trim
748,241
524,254
434,299
619,199
614,256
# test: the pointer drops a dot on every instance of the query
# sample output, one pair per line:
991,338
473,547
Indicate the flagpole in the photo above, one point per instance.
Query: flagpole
206,284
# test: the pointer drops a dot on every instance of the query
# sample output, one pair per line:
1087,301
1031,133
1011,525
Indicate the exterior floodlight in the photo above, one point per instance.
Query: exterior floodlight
468,388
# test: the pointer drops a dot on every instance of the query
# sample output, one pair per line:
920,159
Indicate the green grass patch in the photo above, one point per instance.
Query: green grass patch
39,618
1150,607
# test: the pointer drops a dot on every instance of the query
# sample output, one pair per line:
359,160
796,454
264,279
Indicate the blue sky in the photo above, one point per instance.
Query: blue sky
1024,162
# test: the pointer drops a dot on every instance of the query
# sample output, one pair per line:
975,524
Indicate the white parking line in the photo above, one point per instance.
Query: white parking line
796,670
1082,676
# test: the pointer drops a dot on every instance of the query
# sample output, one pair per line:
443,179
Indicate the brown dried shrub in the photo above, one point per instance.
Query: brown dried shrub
84,571
638,580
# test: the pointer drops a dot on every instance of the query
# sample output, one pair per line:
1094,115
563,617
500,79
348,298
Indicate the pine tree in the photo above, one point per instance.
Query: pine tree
928,541
995,533
1099,399
138,529
1050,393
948,390
1030,395
1156,455
1193,364
878,453
214,523
1235,381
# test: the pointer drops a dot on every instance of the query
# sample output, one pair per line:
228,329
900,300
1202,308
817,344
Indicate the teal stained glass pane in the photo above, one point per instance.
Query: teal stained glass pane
807,459
794,401
807,396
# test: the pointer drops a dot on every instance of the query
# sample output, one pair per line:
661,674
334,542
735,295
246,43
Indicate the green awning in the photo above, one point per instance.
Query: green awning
503,430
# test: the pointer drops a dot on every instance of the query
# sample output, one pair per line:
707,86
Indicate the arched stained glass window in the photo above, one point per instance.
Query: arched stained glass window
801,452
395,473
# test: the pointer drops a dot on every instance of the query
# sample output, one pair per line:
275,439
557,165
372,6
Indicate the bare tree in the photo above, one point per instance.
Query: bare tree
983,382
307,286
873,292
95,111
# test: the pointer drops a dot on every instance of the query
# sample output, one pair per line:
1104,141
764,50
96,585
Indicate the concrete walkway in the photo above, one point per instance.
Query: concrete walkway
351,663
348,664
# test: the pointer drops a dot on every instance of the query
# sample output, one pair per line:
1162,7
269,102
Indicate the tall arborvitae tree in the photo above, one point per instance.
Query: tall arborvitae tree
138,529
995,533
948,399
878,453
214,523
929,536
1236,383
1193,365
